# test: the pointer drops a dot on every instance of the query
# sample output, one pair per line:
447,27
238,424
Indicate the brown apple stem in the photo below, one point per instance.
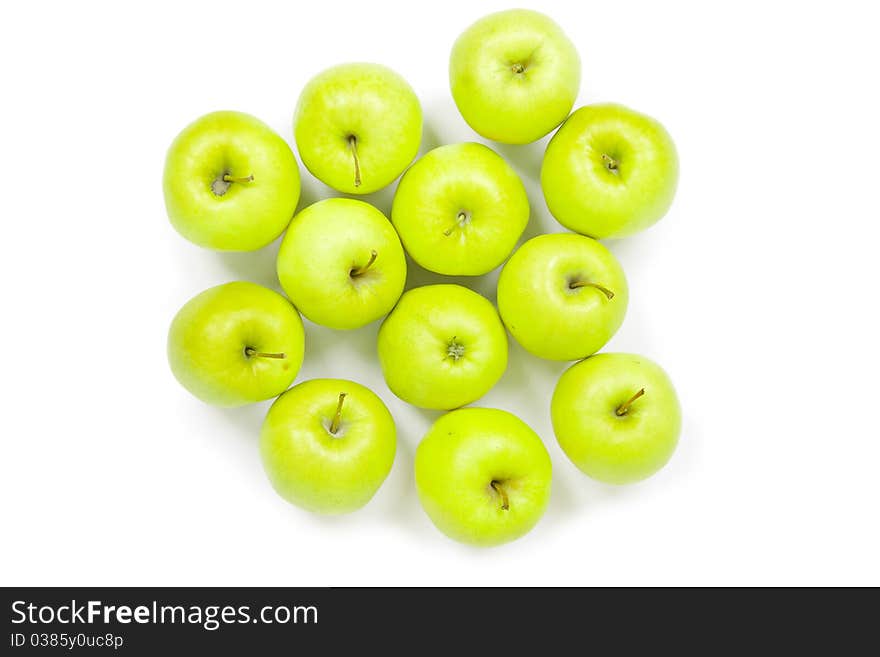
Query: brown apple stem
238,179
610,162
623,409
505,503
360,271
604,290
352,144
337,419
462,217
250,352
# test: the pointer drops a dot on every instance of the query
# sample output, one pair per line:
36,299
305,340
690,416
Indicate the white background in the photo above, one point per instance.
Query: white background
758,293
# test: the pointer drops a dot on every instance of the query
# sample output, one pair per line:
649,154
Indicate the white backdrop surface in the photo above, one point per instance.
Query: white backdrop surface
757,293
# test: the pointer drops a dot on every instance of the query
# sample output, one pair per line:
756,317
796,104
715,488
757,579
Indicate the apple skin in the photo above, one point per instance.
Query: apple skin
497,99
548,317
369,102
459,458
449,181
245,215
587,196
442,347
607,447
328,241
314,469
209,336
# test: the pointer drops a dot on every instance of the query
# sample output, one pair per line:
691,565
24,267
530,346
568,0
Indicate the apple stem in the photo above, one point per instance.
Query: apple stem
337,419
360,271
604,290
459,221
250,352
352,144
238,179
623,409
505,503
610,162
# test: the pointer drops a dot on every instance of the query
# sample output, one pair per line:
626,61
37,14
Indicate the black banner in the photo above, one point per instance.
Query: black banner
147,621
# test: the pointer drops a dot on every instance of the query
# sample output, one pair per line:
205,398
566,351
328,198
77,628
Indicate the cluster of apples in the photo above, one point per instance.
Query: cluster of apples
482,475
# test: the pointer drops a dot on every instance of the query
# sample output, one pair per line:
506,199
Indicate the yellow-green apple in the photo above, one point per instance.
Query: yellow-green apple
609,171
236,343
562,296
341,263
231,183
514,76
442,347
357,127
616,416
483,476
327,445
460,210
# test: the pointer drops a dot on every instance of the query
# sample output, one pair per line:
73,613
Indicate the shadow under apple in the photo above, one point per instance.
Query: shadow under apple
254,266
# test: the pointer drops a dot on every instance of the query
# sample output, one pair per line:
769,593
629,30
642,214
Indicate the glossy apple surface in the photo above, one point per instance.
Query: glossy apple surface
616,416
327,445
460,210
562,296
609,171
236,343
442,347
483,476
230,182
327,267
514,76
357,127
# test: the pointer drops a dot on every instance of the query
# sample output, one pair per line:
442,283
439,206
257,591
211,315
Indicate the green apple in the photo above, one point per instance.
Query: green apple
483,476
442,347
341,263
327,445
357,127
562,296
236,343
460,210
616,416
231,183
514,76
609,171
